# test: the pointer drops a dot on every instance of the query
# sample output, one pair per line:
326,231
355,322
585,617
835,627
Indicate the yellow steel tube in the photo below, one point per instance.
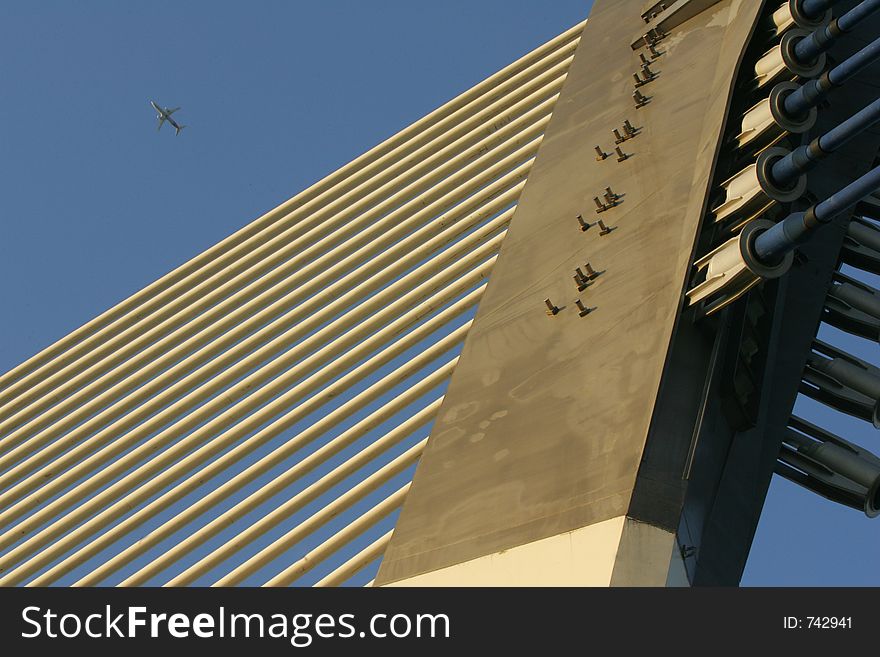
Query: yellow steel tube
249,408
295,503
329,449
274,375
164,477
232,345
355,528
354,564
313,314
88,371
128,343
300,531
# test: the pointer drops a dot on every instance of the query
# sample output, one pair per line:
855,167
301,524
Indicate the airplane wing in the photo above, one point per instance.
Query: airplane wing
169,112
161,121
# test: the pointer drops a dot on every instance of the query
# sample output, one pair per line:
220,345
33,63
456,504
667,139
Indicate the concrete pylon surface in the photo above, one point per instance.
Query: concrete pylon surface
531,471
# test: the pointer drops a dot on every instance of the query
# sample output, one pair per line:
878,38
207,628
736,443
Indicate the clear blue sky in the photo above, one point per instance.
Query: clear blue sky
95,203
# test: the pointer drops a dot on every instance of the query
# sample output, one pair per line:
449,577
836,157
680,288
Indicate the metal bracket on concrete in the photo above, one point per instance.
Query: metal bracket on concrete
672,17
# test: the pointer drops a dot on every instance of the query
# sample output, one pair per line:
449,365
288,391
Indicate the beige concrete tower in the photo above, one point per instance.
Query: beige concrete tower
571,439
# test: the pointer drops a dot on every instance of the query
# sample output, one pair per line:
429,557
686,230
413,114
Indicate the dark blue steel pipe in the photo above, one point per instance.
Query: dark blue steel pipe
807,49
856,15
852,127
812,92
847,197
773,244
815,8
787,169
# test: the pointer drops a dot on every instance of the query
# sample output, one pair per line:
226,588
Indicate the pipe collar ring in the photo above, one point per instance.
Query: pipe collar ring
786,46
763,169
784,120
747,249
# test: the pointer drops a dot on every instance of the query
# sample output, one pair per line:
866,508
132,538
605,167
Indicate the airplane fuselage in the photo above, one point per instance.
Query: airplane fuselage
172,122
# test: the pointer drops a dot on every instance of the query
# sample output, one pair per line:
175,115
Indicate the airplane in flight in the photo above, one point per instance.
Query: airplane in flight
165,115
